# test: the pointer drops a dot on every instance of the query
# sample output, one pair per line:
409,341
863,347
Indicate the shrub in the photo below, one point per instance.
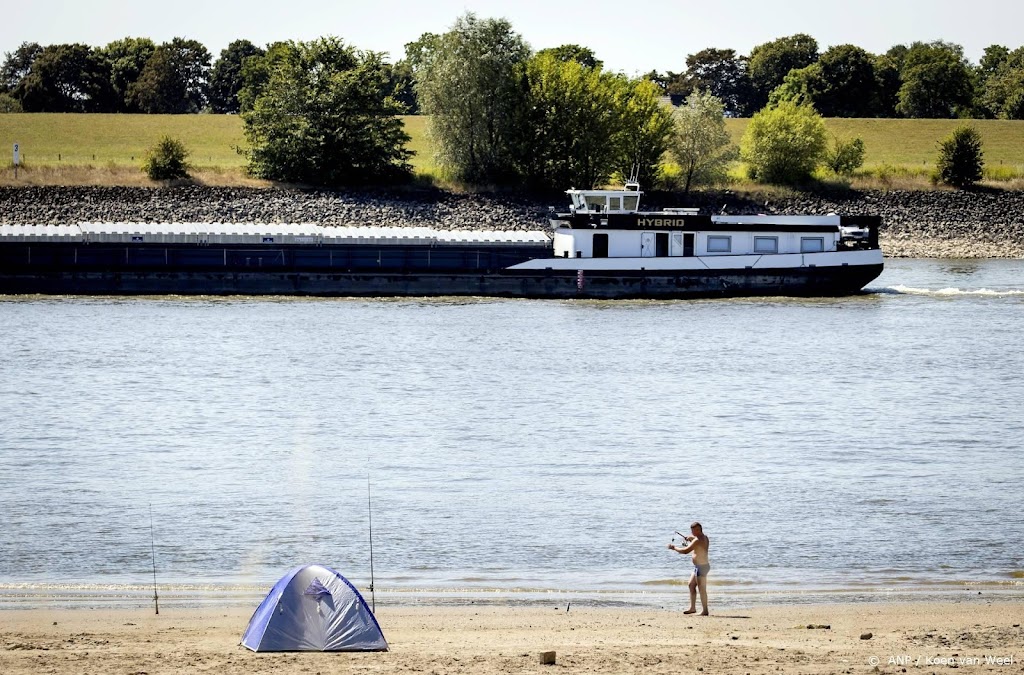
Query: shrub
9,104
960,162
845,157
784,144
166,160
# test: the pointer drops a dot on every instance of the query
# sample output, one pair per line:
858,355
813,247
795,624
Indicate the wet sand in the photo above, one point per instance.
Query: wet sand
905,637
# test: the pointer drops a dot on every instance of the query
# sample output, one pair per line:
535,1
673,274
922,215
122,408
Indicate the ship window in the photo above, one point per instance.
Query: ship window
595,203
766,244
812,244
719,244
613,203
630,203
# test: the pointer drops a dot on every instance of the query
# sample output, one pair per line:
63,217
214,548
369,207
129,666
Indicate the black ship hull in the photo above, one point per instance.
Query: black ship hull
379,271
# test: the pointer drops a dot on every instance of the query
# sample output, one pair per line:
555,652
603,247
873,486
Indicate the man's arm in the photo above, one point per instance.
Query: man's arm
688,548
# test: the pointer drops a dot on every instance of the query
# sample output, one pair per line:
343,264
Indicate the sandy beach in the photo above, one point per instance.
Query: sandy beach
979,635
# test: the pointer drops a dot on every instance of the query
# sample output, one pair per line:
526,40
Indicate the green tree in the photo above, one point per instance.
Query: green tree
403,87
66,78
989,66
17,64
724,75
470,87
678,84
839,84
645,129
167,160
784,144
325,117
700,144
226,76
174,79
937,81
256,73
845,156
771,62
581,55
1002,94
421,51
961,160
567,123
801,86
126,58
659,80
994,57
848,84
887,81
403,75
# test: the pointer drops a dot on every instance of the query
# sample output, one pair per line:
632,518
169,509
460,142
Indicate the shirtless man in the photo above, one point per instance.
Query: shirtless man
697,546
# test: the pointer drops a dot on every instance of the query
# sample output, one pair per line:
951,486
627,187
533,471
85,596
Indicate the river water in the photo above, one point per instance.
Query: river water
864,445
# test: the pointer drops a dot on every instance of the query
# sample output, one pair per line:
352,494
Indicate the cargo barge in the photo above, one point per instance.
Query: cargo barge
604,247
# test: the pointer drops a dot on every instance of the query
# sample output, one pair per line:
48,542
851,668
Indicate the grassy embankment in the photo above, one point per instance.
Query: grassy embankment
108,149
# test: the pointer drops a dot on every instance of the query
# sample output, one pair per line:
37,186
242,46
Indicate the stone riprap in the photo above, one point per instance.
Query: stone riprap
939,223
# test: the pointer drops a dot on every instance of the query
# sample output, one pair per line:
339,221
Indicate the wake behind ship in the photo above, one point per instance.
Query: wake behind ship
604,247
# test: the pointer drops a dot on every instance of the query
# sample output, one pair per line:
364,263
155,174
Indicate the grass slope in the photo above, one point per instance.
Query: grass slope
915,143
118,143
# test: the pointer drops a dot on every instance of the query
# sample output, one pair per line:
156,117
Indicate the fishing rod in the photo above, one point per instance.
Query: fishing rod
369,511
152,548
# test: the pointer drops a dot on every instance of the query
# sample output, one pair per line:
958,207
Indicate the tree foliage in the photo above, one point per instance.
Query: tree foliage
887,82
570,114
645,129
839,84
700,144
167,160
580,125
725,76
17,64
256,73
65,78
325,116
937,82
9,104
961,160
924,79
226,77
845,156
174,79
772,61
126,58
469,85
784,144
566,53
403,74
848,85
1001,88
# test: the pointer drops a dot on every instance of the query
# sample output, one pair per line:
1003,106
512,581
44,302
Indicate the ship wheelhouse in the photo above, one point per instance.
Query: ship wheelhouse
609,224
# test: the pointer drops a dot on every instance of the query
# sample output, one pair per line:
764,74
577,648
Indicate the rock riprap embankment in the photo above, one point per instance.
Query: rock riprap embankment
936,223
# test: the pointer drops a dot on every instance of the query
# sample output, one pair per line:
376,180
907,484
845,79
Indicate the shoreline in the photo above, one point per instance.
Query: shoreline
35,596
826,638
915,224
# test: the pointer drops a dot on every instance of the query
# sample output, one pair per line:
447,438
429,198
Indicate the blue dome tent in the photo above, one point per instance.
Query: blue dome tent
313,608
